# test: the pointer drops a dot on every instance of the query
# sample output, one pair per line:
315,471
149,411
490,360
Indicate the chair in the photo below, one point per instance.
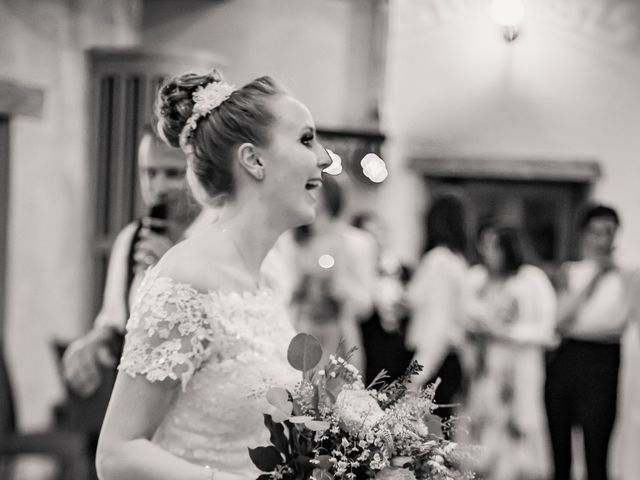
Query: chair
69,448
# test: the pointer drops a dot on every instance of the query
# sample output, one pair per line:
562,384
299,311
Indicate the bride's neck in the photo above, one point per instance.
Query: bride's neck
250,228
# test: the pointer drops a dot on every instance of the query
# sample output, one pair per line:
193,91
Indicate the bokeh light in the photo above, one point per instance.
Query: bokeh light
336,164
326,261
374,168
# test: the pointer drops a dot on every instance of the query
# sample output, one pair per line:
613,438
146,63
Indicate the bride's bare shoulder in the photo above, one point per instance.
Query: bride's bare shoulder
198,264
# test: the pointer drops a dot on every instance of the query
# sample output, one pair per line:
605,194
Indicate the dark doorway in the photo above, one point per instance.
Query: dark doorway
544,210
541,196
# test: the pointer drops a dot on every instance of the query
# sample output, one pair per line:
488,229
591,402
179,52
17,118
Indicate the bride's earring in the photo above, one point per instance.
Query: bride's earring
260,171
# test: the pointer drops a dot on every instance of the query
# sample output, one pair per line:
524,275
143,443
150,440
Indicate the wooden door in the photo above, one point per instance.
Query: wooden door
123,83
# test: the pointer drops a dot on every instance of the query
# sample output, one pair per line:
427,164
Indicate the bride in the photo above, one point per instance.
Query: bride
206,337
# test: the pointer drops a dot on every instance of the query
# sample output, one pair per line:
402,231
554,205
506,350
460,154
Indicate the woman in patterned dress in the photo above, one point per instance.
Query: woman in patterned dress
511,308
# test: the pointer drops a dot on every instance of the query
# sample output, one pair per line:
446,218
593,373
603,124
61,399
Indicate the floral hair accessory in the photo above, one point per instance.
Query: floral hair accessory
205,100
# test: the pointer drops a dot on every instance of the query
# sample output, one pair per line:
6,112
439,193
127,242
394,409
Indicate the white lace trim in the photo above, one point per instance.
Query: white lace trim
174,328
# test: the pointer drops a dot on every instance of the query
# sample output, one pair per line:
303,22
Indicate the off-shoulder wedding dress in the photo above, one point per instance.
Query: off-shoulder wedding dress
223,350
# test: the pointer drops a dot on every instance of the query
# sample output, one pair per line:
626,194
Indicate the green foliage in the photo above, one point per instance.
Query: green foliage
291,449
265,458
304,352
396,389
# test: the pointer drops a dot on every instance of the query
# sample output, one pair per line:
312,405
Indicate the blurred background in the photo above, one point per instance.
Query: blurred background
527,128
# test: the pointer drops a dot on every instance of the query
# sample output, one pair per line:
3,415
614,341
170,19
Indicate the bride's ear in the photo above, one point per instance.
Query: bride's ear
250,160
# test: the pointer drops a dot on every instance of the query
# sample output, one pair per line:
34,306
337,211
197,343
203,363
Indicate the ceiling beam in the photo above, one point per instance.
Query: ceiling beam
528,169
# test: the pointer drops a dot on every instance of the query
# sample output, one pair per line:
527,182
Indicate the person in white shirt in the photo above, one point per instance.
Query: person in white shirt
436,327
595,305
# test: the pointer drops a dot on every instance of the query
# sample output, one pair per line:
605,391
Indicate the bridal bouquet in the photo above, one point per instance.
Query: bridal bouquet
331,427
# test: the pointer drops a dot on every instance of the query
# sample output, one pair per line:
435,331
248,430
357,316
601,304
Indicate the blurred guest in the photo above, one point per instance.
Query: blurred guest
89,363
436,328
596,302
137,246
336,270
384,330
511,307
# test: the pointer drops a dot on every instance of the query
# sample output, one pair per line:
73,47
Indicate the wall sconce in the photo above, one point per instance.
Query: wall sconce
508,14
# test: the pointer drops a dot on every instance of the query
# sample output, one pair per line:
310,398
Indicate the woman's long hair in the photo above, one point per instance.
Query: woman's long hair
511,243
446,224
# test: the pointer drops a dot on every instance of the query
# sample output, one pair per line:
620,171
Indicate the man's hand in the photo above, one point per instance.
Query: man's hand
149,249
83,358
508,311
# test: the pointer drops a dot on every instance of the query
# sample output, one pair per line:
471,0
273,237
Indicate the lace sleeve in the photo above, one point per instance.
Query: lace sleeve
168,334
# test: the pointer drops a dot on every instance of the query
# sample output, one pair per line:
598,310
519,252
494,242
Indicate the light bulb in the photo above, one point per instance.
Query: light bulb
374,168
507,13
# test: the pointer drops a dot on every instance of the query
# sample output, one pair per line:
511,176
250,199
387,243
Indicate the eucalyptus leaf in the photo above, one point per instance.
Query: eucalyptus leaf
300,419
265,458
279,416
277,438
278,397
304,352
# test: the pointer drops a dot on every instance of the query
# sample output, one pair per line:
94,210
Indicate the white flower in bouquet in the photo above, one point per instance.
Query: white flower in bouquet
395,473
357,410
331,428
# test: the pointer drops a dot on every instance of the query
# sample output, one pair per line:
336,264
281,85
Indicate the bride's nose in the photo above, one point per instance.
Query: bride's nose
324,159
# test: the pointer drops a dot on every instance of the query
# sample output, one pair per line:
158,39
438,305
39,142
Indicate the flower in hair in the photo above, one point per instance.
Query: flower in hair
205,100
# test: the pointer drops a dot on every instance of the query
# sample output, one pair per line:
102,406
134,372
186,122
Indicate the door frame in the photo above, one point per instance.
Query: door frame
15,99
574,177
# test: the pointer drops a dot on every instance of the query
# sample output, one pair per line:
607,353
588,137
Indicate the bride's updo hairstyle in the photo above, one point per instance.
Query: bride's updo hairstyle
210,135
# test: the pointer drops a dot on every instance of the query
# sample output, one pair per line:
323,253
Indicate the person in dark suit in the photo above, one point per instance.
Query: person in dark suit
383,330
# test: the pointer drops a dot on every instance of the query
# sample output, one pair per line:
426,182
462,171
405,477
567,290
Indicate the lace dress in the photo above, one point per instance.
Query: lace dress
225,350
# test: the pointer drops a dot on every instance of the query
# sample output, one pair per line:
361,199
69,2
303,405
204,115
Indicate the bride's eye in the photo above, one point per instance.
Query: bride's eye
307,139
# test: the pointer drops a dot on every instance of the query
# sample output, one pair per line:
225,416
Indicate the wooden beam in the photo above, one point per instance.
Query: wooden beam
127,60
4,223
559,170
19,99
368,134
